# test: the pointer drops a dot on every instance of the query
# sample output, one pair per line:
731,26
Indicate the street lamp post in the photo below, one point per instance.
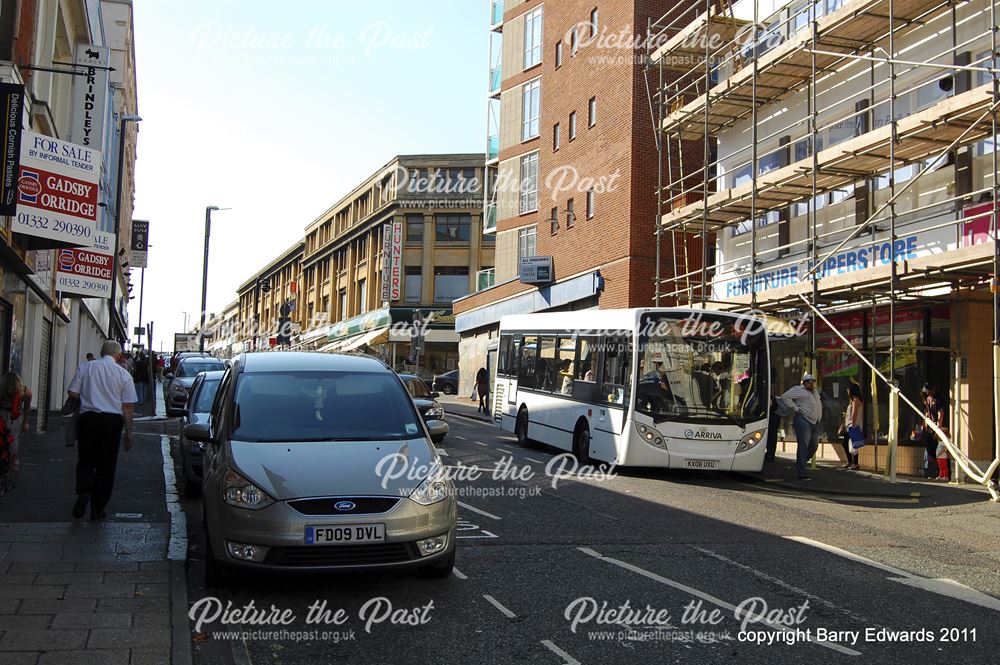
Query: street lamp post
118,221
204,276
185,321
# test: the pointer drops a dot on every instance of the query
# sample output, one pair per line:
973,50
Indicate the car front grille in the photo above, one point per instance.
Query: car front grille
363,505
341,555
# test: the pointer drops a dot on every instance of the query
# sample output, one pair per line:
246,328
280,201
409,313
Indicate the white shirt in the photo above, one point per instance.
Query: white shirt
103,386
802,401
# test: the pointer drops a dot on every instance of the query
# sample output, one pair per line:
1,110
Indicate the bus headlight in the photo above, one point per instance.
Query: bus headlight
650,436
750,440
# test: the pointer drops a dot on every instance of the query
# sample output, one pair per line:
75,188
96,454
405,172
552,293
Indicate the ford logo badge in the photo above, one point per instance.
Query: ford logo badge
344,506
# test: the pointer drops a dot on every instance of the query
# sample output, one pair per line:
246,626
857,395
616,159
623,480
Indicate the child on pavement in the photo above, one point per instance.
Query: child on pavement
944,473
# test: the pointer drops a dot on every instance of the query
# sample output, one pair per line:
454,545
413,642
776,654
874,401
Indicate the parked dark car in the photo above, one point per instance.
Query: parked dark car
427,404
199,408
179,384
446,383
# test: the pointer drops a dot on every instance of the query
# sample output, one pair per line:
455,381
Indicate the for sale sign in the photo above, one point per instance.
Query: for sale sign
57,190
86,271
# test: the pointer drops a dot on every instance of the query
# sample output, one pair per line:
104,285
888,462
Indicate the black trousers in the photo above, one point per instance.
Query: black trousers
852,456
99,435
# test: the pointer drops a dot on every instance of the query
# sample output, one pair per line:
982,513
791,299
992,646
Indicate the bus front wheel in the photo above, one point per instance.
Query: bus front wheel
521,428
581,444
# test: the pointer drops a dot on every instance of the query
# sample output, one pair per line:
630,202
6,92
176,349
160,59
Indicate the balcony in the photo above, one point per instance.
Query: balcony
490,221
485,279
496,12
495,76
493,147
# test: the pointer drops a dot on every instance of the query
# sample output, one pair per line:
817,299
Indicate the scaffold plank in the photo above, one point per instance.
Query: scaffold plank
686,49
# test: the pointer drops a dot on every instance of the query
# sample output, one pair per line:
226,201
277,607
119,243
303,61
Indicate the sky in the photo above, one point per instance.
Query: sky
277,110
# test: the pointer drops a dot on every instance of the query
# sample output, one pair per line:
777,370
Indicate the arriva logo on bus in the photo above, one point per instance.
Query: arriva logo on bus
703,434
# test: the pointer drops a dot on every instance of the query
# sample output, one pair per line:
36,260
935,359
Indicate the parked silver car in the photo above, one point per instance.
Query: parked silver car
321,461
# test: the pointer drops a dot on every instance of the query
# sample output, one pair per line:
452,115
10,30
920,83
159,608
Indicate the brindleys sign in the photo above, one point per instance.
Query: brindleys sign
87,271
392,261
90,95
57,190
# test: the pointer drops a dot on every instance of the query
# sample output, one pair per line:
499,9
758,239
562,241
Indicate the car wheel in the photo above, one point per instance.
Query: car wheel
439,570
521,428
448,389
217,574
581,444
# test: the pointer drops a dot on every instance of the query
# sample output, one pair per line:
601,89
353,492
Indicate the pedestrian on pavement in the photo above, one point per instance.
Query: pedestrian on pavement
852,419
483,389
944,470
804,402
15,407
107,401
778,412
934,413
140,376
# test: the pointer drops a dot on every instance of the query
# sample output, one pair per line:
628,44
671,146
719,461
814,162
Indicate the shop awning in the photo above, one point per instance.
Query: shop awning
377,336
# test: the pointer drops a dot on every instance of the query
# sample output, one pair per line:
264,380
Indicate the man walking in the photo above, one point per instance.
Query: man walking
107,397
804,403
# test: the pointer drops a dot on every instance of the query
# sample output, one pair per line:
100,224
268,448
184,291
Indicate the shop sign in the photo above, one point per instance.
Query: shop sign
535,270
57,190
90,94
12,96
86,271
392,261
977,224
139,246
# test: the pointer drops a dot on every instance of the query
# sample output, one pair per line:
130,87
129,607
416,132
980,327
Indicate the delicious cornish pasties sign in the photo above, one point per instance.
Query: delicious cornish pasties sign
57,190
86,271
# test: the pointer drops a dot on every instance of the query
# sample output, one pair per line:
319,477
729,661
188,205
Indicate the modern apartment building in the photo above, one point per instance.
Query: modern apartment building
406,240
851,186
571,164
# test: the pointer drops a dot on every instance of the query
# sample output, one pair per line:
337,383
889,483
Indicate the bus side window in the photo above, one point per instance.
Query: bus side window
615,375
503,356
526,376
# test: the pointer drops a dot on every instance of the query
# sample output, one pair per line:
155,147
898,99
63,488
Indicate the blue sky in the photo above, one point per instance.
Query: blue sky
276,110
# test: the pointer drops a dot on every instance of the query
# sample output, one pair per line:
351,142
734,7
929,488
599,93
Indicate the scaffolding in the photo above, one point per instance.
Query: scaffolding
759,119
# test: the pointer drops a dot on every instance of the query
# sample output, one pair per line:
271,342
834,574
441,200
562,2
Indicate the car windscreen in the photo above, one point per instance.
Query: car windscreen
323,406
417,388
192,369
206,395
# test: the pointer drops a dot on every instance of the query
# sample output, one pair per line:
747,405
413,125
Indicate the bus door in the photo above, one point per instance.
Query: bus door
613,360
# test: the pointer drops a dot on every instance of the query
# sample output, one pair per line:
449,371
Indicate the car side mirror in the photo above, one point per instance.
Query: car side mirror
170,375
198,432
435,394
437,428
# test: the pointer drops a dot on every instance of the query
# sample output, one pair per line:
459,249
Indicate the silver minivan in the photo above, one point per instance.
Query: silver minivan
318,462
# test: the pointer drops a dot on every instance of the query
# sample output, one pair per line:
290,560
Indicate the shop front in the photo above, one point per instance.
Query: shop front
387,334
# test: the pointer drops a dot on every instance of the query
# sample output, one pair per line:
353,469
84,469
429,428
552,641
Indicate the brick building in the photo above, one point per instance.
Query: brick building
571,164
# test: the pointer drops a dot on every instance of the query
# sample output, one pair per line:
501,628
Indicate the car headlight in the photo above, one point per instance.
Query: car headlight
435,488
434,412
750,440
240,492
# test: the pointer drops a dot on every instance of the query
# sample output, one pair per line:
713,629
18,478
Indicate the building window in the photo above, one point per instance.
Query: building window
593,22
363,295
529,183
362,248
554,221
533,38
343,303
574,43
452,228
572,125
526,241
414,228
450,282
592,112
570,214
413,284
558,54
556,137
489,239
590,204
530,110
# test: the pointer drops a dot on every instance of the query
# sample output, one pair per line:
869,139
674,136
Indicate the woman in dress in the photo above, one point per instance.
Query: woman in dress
853,418
15,405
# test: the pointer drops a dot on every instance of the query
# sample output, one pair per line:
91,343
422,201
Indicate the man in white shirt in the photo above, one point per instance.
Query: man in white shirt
107,398
806,407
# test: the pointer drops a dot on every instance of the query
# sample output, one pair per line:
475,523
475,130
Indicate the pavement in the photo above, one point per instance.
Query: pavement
82,591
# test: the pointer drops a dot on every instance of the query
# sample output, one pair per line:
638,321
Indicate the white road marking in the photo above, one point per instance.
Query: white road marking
509,452
536,461
559,652
496,603
710,598
459,437
940,586
480,443
477,510
459,574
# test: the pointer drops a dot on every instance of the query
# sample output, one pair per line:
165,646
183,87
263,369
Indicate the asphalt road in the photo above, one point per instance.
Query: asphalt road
543,574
